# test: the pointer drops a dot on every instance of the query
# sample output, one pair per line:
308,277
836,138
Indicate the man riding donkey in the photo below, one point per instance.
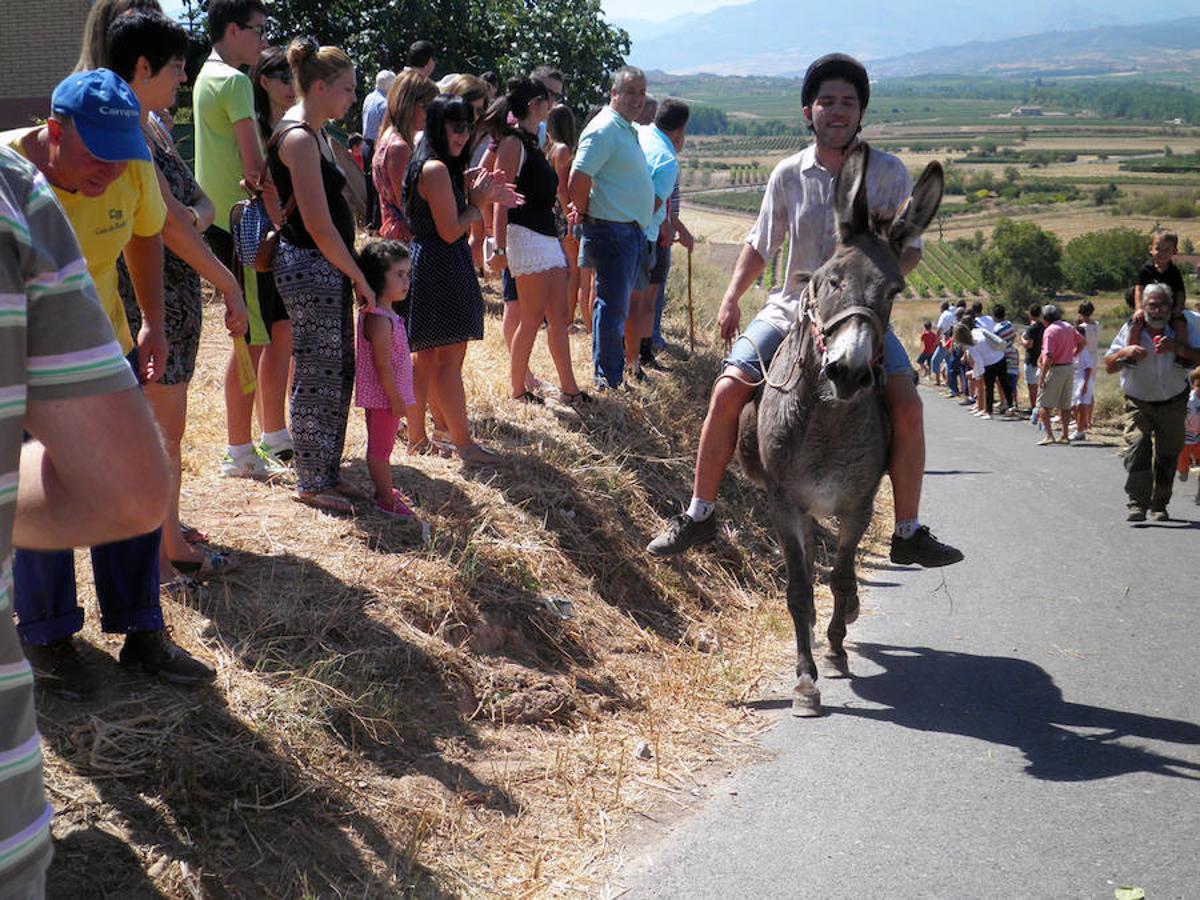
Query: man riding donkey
798,205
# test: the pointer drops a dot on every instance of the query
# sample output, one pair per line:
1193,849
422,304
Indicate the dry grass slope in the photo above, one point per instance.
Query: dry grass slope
401,717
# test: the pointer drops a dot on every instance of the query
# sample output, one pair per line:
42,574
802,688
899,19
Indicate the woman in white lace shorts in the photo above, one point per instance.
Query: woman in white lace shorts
527,239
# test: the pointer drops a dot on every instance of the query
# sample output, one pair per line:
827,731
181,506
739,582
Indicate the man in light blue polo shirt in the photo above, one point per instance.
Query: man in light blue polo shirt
613,197
660,142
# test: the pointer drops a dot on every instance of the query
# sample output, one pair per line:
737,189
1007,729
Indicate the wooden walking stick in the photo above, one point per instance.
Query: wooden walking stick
691,308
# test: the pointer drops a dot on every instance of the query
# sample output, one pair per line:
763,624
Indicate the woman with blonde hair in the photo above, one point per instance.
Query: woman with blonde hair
93,54
404,116
316,271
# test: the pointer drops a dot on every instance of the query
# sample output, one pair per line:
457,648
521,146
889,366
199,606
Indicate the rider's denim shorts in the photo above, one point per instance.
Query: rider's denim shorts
760,341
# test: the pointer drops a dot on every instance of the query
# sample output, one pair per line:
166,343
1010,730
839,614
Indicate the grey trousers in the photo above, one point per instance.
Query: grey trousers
1154,437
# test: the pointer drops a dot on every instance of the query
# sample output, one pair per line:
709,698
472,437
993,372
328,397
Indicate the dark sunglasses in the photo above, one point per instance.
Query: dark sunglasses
460,127
284,76
260,30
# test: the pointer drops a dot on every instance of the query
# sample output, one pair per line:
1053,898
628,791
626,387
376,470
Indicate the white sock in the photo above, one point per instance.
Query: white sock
274,438
240,451
699,509
907,528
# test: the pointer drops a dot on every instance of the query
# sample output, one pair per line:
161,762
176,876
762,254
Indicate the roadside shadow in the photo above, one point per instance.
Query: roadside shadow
1172,524
587,530
958,471
1012,702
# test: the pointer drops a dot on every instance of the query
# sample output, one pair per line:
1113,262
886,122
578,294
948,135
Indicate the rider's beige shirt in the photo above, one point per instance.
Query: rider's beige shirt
798,205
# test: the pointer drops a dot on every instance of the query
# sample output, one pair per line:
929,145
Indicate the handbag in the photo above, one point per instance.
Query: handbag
255,236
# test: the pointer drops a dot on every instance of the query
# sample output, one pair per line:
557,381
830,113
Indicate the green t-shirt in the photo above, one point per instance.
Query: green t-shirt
221,97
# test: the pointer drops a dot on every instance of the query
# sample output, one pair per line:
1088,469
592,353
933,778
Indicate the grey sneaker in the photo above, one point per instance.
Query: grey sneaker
254,465
1159,515
1136,514
60,669
681,534
158,655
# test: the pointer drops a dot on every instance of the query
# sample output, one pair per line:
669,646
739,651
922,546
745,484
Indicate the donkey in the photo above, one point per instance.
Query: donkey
816,435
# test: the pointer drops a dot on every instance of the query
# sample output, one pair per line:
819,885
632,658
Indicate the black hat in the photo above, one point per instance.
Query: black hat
836,65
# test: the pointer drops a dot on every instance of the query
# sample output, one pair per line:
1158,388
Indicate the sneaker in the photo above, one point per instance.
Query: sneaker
1159,515
60,669
923,549
395,506
255,465
1183,475
157,654
681,534
282,452
1136,514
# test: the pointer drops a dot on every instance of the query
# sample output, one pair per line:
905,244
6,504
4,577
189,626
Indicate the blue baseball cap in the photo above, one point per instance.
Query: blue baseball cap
106,114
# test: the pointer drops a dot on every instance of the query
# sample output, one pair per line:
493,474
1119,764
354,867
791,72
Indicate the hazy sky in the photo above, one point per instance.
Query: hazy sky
663,9
617,9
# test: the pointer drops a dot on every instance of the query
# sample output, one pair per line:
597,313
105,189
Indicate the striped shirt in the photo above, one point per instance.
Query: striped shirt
55,343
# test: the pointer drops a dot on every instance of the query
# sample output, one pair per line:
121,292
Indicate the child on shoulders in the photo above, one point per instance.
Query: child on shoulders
383,384
1160,269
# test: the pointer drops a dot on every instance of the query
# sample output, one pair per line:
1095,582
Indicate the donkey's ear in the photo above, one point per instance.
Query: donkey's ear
850,195
920,209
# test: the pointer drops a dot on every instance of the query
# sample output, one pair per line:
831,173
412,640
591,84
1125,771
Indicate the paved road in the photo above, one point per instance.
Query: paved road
1030,727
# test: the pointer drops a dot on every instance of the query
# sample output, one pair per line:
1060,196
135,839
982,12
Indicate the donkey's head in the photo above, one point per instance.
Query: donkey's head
852,293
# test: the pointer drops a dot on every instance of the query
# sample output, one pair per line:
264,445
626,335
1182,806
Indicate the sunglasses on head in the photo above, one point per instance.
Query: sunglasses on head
460,127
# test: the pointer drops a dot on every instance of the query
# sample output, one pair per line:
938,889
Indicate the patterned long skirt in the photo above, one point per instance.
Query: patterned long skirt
320,303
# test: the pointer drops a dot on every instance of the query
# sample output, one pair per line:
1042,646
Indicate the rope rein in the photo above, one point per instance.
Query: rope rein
820,333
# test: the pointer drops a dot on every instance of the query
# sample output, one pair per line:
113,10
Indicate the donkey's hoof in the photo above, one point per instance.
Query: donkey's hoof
806,699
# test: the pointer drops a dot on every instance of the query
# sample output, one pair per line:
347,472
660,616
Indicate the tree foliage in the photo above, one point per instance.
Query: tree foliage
1020,252
509,37
1104,260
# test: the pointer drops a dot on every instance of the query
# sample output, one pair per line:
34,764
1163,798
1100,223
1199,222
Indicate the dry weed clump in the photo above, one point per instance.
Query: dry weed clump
479,712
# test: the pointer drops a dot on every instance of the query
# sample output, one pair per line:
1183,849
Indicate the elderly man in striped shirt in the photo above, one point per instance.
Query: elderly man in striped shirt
63,381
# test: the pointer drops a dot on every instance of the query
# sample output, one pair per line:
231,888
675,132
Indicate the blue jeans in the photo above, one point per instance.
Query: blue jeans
615,249
126,576
938,360
660,302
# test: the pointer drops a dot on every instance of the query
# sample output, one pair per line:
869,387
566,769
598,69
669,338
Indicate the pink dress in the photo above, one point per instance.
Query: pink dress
368,389
391,199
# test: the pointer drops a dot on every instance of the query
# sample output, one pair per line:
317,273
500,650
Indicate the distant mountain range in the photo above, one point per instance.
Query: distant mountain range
774,37
1163,48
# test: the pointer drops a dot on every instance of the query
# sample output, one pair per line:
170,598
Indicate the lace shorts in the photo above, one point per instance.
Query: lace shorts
530,252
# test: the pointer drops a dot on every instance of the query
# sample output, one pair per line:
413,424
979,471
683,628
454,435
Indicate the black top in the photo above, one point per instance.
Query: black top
1034,333
1170,276
332,177
538,183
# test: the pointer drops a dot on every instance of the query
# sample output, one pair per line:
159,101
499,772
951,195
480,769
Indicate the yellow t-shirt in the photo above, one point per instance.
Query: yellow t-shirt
131,206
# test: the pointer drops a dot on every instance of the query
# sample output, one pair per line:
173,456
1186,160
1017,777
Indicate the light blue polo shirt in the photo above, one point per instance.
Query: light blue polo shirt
609,153
664,171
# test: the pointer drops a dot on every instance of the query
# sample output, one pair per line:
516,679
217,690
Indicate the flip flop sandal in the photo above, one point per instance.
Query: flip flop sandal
427,448
327,502
579,398
192,535
478,455
397,506
530,398
212,564
441,440
179,586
